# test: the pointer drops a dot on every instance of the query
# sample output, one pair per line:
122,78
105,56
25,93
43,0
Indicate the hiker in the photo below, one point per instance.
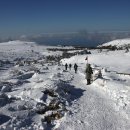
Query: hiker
75,67
89,73
70,66
66,66
99,74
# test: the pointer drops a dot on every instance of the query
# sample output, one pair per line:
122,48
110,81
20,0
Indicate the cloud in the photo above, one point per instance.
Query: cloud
80,38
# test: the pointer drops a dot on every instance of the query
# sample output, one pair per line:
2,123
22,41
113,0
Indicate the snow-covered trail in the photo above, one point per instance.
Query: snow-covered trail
38,94
88,108
92,111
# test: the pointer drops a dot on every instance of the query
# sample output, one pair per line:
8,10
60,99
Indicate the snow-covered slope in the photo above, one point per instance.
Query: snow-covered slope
36,94
16,42
13,49
117,43
114,60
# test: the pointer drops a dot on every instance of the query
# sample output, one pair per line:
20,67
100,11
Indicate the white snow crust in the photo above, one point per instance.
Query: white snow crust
30,86
118,42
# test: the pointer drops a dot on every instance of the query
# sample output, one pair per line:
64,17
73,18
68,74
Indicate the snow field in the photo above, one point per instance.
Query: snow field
43,96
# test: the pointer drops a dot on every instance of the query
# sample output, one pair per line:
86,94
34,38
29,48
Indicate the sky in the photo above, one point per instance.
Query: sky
30,17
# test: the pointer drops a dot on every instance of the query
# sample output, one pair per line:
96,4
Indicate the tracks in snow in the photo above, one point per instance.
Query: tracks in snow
87,109
92,111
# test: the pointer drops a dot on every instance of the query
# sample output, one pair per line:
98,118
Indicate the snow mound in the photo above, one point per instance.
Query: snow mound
16,42
117,43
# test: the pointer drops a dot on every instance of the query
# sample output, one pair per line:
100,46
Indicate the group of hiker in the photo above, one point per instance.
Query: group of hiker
70,66
88,71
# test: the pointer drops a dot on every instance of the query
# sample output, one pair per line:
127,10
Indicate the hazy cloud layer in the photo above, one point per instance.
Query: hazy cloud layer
82,38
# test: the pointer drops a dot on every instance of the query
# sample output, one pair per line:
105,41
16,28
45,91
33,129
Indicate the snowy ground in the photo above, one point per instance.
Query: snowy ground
118,43
43,96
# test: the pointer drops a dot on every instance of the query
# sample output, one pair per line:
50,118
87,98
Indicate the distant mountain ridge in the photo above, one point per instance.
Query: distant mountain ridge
118,43
17,42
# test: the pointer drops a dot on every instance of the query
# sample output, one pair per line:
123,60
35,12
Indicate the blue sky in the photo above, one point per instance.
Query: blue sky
19,17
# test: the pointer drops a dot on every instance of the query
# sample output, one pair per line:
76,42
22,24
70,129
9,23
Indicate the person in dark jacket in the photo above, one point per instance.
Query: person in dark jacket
89,73
70,66
66,66
75,67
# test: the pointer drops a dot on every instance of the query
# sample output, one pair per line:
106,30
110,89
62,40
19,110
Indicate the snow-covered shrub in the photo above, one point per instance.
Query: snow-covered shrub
97,74
21,107
25,76
1,63
50,92
53,105
127,50
19,63
52,117
16,72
